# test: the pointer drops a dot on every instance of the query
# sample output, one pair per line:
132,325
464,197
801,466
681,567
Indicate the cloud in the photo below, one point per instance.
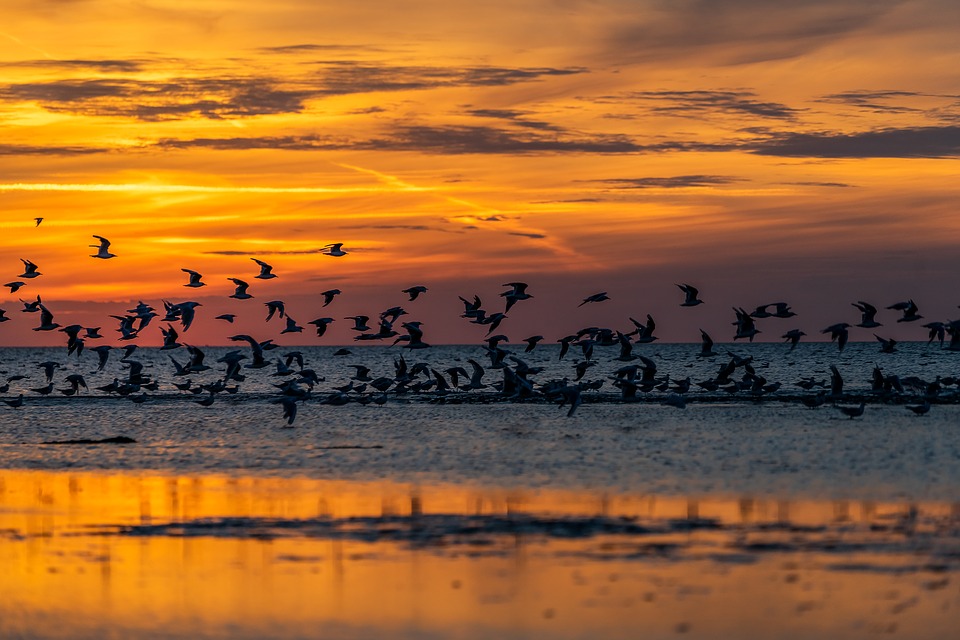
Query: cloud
103,66
918,142
456,139
535,236
515,116
672,182
821,184
695,103
53,150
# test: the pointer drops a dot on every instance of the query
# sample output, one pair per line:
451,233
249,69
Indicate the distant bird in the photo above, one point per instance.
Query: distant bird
920,410
241,292
229,317
867,317
329,295
103,352
92,332
937,331
414,291
335,250
909,310
852,412
690,293
3,316
38,221
15,285
597,297
29,270
16,402
102,249
793,337
194,279
30,307
839,333
645,330
292,326
289,405
472,309
266,270
517,293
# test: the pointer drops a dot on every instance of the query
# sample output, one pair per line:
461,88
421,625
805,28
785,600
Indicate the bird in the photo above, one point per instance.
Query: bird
3,316
597,297
38,221
15,285
852,412
838,333
706,345
329,295
241,292
793,337
867,315
532,342
414,292
292,326
321,324
887,345
746,328
909,310
46,320
335,250
266,270
29,270
275,307
229,317
691,294
359,323
919,410
517,293
194,279
102,249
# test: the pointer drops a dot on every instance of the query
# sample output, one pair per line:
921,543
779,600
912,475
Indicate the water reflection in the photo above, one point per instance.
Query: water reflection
91,555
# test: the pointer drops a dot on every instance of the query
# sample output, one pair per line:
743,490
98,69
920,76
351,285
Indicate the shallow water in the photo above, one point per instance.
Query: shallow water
465,516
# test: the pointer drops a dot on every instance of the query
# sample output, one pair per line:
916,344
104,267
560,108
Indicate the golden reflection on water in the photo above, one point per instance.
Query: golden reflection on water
64,577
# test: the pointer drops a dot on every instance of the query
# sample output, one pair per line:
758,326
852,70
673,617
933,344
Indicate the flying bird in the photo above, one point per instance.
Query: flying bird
838,333
29,270
334,250
15,285
226,316
329,295
909,310
793,337
690,293
867,315
515,295
414,292
241,292
321,324
266,270
102,249
38,221
194,279
597,297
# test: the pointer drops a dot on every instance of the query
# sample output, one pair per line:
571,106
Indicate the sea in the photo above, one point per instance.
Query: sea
438,512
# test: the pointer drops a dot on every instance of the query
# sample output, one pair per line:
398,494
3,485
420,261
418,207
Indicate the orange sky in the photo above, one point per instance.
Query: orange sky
761,152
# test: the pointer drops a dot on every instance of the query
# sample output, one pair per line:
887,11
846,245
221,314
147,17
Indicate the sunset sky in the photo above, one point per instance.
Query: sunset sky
763,152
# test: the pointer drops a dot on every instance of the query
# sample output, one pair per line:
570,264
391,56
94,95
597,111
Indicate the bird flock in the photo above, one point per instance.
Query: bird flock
636,377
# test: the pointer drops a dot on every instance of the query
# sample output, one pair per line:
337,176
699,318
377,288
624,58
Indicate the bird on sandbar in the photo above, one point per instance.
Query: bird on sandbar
852,412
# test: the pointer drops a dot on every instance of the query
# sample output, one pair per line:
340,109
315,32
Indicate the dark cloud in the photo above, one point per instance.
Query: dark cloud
452,139
53,150
312,48
535,236
919,142
289,143
405,227
516,117
820,184
105,66
697,103
240,96
873,101
672,182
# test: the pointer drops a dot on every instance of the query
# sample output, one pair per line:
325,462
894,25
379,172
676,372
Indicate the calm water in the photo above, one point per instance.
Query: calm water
463,516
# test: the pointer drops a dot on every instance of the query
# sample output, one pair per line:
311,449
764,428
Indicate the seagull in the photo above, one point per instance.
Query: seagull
102,249
793,337
644,331
334,250
29,270
275,307
887,345
329,295
920,409
597,297
414,292
103,352
691,293
706,345
30,307
321,324
266,270
194,279
46,320
15,285
867,312
16,402
852,412
909,309
292,326
359,323
229,317
746,328
531,343
241,292
38,220
838,333
516,294
3,317
92,332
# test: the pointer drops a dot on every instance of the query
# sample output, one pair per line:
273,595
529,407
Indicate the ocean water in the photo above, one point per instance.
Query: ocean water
469,515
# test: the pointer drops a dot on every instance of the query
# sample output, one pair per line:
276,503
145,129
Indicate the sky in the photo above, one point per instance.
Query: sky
763,152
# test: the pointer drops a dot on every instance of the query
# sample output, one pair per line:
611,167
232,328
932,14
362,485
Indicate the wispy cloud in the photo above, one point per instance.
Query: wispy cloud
670,182
696,103
919,142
